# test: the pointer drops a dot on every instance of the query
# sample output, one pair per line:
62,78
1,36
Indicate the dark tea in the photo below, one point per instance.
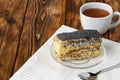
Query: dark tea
95,12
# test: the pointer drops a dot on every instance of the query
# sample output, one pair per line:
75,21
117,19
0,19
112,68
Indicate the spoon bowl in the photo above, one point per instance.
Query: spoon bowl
93,76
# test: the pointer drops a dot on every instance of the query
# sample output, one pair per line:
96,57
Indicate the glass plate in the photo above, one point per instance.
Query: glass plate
83,63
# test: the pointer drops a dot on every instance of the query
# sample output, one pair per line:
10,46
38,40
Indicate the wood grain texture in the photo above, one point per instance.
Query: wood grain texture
25,25
42,19
12,20
72,17
48,20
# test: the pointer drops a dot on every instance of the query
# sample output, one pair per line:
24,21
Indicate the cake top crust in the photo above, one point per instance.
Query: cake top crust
84,34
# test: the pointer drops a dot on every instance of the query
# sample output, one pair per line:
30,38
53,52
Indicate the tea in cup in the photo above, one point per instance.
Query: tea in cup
98,16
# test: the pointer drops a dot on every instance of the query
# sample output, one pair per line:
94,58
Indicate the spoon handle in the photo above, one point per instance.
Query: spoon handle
110,68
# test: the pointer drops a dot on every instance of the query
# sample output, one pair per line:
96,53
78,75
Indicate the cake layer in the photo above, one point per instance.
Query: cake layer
66,46
78,55
77,45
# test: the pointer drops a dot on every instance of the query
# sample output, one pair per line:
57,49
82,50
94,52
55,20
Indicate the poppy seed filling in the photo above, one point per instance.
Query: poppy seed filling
86,34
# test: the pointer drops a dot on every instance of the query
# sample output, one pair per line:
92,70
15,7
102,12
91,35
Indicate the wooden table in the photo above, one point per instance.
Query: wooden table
25,25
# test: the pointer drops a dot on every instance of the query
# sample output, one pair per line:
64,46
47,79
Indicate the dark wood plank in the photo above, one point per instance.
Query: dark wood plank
114,33
49,19
72,16
43,18
86,1
24,50
11,16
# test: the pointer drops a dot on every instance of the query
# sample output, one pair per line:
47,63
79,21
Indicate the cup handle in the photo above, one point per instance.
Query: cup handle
117,22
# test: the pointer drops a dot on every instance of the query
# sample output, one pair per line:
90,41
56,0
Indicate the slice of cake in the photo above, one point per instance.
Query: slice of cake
77,45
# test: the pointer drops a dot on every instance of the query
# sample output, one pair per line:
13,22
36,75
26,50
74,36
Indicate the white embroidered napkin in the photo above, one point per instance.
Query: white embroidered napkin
42,66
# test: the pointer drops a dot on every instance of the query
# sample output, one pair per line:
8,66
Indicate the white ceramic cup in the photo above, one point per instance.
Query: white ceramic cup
101,24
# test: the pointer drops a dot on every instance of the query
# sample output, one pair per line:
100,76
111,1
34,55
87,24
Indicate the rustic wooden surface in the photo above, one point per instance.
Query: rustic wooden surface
25,25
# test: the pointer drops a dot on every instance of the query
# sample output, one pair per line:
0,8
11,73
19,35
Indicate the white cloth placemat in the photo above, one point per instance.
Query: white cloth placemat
42,66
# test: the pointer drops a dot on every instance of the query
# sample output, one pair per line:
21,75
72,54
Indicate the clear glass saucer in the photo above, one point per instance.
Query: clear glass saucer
83,63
